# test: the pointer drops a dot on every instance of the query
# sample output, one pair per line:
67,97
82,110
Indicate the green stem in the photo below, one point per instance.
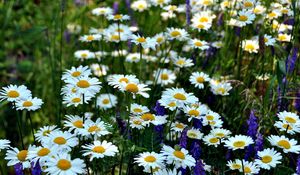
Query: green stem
31,125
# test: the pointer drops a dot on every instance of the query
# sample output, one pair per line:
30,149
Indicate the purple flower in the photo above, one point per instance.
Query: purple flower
197,123
183,171
199,168
159,129
122,124
237,31
116,7
36,170
188,12
252,125
220,19
195,150
228,154
291,60
297,101
259,144
159,110
183,139
18,169
298,165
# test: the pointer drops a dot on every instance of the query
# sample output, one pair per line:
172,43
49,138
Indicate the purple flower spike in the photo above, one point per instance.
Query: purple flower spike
36,170
196,150
159,110
183,139
18,169
199,168
291,60
116,7
188,12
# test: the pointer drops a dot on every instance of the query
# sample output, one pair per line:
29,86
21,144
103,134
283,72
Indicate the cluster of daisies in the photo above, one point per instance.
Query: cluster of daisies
20,97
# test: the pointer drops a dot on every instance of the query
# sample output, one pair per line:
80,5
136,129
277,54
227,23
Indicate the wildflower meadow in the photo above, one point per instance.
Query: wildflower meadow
158,87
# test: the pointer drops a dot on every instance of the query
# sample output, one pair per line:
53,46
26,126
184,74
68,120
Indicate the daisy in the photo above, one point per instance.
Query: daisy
245,17
167,172
182,62
85,85
83,55
133,58
12,93
250,46
284,37
194,134
74,123
168,103
288,127
269,40
198,44
40,154
99,70
30,104
288,145
248,4
211,140
96,129
195,111
176,33
160,38
118,17
116,80
102,11
268,158
160,3
210,117
136,122
288,117
164,76
137,109
75,99
150,160
44,131
249,168
179,96
221,88
90,38
177,126
149,118
202,20
135,88
220,132
139,5
106,101
178,157
4,144
99,149
144,42
61,141
62,164
238,142
259,9
218,123
75,72
16,156
234,165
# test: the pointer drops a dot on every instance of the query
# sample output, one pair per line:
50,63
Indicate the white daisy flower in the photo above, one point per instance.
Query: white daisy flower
133,58
136,122
160,38
44,131
221,88
61,141
238,142
90,38
249,168
150,160
15,156
85,85
288,127
220,132
269,40
102,11
182,62
13,93
250,46
234,165
140,5
4,144
160,3
177,126
168,103
211,140
210,117
195,111
179,96
144,42
268,158
283,37
137,109
116,80
99,149
177,33
288,117
75,99
288,145
83,55
167,172
99,70
135,89
30,104
194,133
245,17
95,129
198,79
179,157
74,123
106,101
40,154
62,164
76,72
149,118
198,44
164,76
118,17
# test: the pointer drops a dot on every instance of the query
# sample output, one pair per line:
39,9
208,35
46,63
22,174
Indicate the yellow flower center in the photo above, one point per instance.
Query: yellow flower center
247,170
83,84
115,37
74,90
220,135
43,152
200,26
287,126
175,33
147,117
236,166
118,17
90,38
194,112
221,90
203,19
243,18
213,140
141,40
164,76
249,47
192,135
45,133
266,40
210,117
266,159
137,110
284,143
179,125
150,159
159,39
13,94
179,154
272,15
172,104
105,101
84,55
290,119
93,128
63,164
132,88
27,103
76,74
22,155
137,122
60,140
248,4
76,100
180,96
99,149
123,80
78,124
200,80
198,44
180,62
239,144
